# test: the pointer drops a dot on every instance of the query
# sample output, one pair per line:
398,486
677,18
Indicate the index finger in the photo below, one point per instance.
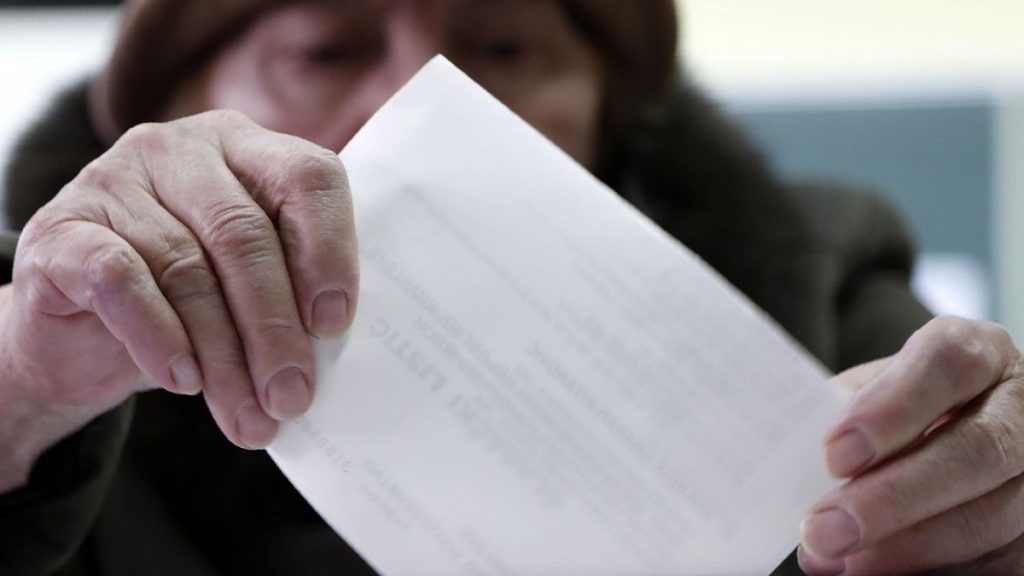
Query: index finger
942,366
304,190
273,215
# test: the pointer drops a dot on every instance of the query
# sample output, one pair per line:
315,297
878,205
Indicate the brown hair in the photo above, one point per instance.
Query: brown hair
161,42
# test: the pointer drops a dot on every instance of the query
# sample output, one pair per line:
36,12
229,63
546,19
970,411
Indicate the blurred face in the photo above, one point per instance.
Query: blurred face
319,70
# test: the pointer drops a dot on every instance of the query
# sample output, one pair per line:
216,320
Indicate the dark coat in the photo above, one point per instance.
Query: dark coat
123,496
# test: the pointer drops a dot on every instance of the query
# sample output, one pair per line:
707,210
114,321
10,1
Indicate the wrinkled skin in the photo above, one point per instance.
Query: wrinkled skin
198,254
933,442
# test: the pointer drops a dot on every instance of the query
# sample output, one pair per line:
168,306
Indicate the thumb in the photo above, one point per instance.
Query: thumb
850,381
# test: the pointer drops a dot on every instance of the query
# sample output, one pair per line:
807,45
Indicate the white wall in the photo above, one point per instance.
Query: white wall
804,50
42,50
796,54
748,52
744,50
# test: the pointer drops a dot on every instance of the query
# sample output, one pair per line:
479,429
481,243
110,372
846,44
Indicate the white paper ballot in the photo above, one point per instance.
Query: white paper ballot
540,381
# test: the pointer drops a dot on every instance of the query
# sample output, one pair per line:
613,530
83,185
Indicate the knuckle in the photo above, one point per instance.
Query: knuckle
147,137
974,530
1009,401
236,229
223,117
316,169
1003,343
231,116
998,334
97,175
112,266
991,522
104,184
34,261
281,330
962,347
41,225
995,446
897,503
31,279
321,165
188,276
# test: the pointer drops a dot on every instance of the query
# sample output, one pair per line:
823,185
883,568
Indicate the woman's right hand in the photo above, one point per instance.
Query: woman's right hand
199,254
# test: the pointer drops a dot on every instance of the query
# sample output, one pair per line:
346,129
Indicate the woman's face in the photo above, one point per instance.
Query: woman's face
319,70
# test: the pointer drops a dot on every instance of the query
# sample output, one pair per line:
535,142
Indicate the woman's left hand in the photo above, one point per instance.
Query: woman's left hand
933,444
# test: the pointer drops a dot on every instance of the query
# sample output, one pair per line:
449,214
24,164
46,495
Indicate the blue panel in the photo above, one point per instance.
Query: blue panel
934,162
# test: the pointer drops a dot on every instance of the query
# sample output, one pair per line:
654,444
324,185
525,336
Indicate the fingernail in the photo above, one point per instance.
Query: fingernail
829,533
255,428
811,564
848,454
186,375
288,393
330,313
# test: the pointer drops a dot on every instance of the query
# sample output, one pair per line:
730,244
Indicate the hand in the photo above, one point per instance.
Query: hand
199,254
933,442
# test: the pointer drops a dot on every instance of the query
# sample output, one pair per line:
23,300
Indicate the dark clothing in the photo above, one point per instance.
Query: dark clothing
160,491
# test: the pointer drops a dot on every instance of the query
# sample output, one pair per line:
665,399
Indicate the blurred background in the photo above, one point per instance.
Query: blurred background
920,100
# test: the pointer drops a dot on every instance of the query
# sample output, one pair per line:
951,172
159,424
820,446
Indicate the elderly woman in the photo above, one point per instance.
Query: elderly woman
196,252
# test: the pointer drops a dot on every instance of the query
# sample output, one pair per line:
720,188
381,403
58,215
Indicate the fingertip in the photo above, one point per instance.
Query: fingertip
815,566
185,375
830,533
331,314
288,394
254,428
848,453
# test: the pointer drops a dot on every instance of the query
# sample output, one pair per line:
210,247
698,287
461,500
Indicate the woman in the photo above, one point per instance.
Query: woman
189,254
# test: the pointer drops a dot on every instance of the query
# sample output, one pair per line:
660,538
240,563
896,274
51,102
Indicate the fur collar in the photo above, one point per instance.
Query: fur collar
690,170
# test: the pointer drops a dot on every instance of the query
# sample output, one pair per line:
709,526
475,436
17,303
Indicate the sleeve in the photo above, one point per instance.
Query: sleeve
45,522
42,523
870,255
865,257
876,310
877,317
